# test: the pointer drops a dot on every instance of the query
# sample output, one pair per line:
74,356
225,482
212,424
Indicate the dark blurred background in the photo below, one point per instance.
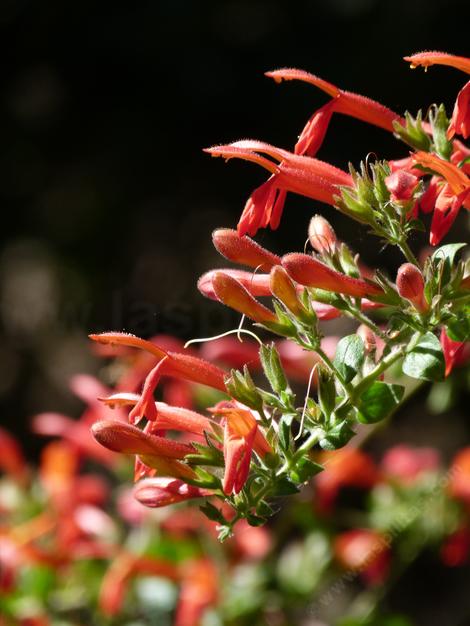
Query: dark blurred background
108,201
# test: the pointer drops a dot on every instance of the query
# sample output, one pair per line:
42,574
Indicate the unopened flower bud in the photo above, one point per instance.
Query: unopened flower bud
367,336
233,294
410,285
284,290
243,250
401,185
321,235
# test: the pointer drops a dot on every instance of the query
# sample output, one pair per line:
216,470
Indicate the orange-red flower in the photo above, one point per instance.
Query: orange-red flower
311,272
455,352
241,437
243,250
303,175
448,197
162,491
460,121
232,293
346,102
426,59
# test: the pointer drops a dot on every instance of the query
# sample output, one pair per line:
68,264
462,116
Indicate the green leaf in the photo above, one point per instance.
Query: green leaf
439,124
337,437
458,327
212,513
349,356
304,470
426,360
447,252
284,487
379,401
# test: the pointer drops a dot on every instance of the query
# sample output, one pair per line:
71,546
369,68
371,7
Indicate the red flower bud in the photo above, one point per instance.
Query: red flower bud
256,284
128,439
243,250
284,289
321,235
232,293
460,122
161,491
311,272
410,285
401,185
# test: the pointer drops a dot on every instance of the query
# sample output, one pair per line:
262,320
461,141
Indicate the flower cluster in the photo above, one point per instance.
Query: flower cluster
250,445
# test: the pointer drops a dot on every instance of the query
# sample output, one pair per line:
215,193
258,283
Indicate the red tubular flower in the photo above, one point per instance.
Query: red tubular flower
460,121
321,235
352,104
167,417
311,272
255,284
241,437
162,491
178,364
450,197
243,250
410,285
426,59
232,293
365,551
127,439
298,174
455,352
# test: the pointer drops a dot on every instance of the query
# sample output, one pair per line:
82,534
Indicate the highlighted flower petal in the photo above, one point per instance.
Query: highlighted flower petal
256,284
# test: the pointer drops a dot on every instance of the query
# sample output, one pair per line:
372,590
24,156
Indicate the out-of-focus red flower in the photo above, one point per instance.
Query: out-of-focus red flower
365,552
346,467
456,549
408,464
123,568
459,476
199,590
251,542
12,460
